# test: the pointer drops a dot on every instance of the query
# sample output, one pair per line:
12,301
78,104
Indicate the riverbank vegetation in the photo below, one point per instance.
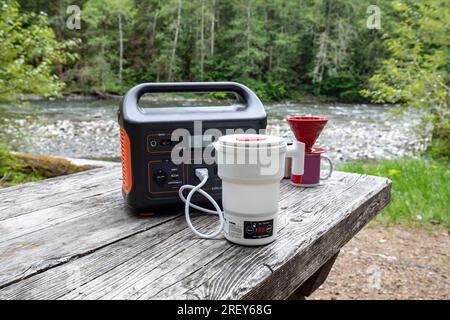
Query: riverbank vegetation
30,52
11,171
420,190
416,73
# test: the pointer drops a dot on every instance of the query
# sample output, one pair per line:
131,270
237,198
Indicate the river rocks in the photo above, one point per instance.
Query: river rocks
89,129
357,132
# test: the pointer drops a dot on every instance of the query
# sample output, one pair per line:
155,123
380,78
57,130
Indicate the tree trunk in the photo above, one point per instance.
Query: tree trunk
154,24
120,50
213,22
158,72
322,55
202,40
248,31
102,71
175,40
270,58
57,11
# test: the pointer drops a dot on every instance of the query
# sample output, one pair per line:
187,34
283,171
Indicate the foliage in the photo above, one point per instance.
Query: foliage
416,73
269,89
29,52
104,19
420,189
281,48
11,172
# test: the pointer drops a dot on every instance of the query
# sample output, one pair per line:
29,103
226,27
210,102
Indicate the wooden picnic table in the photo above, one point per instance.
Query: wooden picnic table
73,237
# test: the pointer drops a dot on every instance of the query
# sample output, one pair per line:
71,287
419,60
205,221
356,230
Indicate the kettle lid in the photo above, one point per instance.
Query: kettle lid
252,141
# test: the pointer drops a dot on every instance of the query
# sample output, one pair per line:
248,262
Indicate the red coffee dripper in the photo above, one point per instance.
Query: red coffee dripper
307,129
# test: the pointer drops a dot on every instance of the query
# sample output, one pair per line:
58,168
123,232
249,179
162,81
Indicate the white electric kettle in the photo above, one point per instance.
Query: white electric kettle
251,167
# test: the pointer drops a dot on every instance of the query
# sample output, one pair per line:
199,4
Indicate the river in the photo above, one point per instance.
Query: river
89,129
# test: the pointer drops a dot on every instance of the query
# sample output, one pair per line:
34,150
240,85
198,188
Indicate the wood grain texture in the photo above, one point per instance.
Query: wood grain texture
29,197
97,249
316,280
63,219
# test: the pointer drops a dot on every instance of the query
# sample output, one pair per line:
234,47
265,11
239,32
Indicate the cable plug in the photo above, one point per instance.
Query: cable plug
201,173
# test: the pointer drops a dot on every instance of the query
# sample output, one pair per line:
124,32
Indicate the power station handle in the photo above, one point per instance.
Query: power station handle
249,98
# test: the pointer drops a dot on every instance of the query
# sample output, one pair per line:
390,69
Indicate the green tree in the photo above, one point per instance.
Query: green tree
416,74
107,23
29,53
335,31
277,47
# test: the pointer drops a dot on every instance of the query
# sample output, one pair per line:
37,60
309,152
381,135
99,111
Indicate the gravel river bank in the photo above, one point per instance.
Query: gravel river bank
89,129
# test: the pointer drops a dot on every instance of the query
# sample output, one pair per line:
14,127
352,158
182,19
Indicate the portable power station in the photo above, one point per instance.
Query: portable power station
150,178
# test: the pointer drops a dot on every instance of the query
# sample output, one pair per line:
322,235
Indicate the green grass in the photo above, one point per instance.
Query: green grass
420,190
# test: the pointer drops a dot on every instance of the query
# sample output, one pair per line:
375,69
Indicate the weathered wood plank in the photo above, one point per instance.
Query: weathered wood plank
29,197
316,280
167,261
78,220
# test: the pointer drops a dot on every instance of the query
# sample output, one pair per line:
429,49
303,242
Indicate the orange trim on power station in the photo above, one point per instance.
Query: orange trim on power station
127,179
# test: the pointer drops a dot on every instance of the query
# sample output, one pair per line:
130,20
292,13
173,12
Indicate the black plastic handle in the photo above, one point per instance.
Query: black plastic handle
194,87
131,110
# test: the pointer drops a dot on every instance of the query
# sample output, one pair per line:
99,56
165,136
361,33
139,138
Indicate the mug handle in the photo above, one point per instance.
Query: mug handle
331,167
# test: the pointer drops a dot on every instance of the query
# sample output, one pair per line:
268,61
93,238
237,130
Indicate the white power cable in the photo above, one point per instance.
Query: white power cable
202,174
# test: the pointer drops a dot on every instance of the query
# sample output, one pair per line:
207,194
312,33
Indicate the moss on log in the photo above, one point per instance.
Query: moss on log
19,168
48,167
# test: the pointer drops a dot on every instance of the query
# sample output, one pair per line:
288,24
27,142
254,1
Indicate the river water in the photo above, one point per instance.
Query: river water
89,129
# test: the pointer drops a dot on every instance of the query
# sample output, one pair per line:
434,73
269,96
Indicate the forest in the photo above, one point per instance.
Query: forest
280,48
